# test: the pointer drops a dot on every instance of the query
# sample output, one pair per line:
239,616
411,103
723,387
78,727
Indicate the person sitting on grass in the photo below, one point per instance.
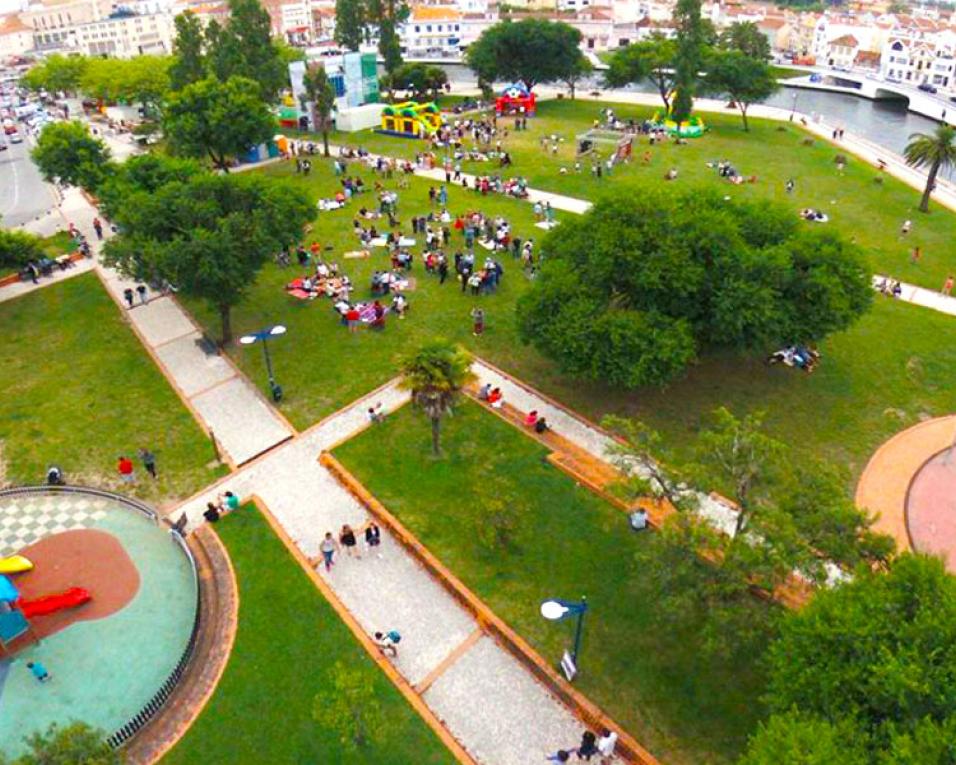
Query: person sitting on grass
638,519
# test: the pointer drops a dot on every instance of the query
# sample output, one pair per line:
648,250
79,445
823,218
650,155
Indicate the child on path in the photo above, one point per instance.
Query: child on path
39,671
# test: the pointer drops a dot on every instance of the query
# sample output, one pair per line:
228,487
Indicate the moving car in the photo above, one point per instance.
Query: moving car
926,87
16,138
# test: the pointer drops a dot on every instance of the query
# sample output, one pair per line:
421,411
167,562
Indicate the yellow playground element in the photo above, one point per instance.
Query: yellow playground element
14,564
411,119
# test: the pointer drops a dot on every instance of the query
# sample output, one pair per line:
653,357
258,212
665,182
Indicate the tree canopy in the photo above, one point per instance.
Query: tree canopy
937,150
747,38
141,79
532,50
207,234
56,73
18,247
244,47
217,119
744,79
631,293
691,39
74,744
651,59
435,375
66,152
877,655
423,80
189,62
350,23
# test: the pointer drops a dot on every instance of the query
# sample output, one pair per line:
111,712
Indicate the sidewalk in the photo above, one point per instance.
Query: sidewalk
15,290
488,701
234,412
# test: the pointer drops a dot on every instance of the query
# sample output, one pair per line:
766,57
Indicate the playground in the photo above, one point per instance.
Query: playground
109,601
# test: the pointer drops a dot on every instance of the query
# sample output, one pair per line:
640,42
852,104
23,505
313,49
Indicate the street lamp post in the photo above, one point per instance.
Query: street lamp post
793,107
558,610
264,336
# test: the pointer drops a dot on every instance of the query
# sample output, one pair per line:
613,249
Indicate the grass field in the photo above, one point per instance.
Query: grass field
838,413
567,542
79,390
288,640
319,364
868,212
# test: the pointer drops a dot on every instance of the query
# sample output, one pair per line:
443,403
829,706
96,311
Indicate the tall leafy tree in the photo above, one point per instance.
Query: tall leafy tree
189,64
690,46
632,291
57,73
350,23
576,71
207,234
320,98
435,375
878,652
799,739
651,59
66,152
747,38
422,80
244,48
936,151
386,15
219,120
532,50
744,79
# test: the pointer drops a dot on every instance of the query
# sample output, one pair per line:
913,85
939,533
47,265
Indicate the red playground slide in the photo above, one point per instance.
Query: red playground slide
48,604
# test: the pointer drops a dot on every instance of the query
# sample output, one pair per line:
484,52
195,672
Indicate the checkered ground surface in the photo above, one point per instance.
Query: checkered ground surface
28,519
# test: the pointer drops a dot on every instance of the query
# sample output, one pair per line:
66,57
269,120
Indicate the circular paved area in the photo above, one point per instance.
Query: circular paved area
931,508
911,488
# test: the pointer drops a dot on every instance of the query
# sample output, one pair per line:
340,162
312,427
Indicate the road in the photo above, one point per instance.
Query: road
23,193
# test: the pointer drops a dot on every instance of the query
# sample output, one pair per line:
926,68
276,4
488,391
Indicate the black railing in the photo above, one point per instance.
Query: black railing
149,710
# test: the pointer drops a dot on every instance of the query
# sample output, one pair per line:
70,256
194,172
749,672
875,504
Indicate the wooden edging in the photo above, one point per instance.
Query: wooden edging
413,698
582,707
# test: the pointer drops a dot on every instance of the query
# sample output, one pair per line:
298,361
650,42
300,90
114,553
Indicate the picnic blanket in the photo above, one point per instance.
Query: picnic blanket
325,205
356,254
546,225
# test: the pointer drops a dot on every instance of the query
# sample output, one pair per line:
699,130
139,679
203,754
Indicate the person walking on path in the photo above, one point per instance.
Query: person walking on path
98,227
606,745
947,285
39,671
141,291
562,755
149,461
328,547
124,466
588,747
478,320
347,540
128,297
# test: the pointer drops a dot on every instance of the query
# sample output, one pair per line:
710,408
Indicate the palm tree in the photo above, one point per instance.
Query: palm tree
435,375
937,150
320,95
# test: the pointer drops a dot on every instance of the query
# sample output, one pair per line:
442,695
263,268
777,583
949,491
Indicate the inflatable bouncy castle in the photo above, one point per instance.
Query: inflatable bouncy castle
515,99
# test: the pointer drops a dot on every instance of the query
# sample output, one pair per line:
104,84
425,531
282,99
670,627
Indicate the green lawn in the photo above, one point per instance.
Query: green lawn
79,390
288,640
862,209
838,413
567,543
319,364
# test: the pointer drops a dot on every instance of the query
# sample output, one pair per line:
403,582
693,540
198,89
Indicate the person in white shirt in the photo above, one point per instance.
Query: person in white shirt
605,745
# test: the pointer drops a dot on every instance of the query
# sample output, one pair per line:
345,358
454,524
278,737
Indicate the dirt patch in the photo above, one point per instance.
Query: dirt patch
89,558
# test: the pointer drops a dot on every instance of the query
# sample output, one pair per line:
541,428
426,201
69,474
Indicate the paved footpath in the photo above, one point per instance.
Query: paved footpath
234,412
487,699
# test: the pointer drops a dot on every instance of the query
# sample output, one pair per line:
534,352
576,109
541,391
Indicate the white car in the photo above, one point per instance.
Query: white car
16,138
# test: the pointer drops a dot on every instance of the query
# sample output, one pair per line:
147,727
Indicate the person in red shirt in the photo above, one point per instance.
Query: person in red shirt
125,468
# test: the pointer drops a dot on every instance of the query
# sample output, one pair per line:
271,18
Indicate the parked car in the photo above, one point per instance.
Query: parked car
926,87
16,138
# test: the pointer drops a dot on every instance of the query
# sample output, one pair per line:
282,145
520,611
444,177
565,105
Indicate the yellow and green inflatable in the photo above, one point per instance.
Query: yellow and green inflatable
692,127
411,119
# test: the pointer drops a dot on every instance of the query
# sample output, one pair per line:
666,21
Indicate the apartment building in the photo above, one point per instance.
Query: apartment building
16,37
432,31
920,51
124,35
